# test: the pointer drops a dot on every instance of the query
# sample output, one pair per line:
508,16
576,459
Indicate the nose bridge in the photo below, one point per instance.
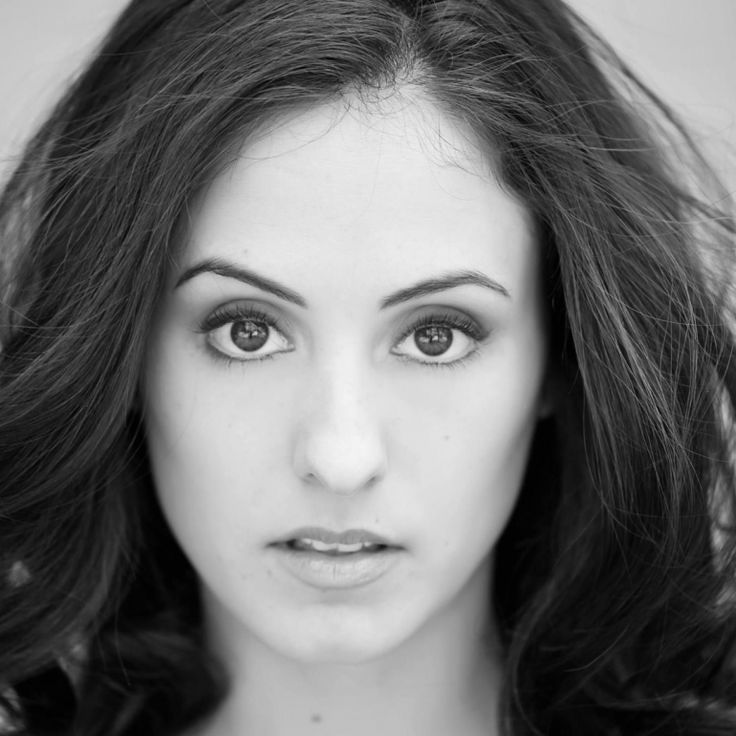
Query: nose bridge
339,444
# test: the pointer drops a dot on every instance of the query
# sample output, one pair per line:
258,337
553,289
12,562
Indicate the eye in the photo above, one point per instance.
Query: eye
440,339
244,333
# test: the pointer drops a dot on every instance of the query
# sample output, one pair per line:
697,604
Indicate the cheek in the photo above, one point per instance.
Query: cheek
214,442
466,451
483,462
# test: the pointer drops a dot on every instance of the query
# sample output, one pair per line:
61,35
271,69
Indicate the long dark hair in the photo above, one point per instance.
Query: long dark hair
614,588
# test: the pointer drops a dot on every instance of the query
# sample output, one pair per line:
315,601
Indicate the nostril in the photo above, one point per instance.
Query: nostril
341,462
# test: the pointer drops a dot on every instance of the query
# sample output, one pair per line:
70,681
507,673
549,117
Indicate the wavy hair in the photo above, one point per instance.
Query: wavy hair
614,588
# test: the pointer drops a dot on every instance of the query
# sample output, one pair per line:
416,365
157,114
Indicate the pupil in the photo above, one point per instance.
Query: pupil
433,339
249,335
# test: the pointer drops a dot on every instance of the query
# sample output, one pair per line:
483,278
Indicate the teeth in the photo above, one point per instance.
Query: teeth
334,548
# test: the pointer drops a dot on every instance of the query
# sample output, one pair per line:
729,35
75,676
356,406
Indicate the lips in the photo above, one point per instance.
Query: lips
330,560
327,541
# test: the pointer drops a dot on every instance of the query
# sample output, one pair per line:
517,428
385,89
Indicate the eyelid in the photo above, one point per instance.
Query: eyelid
455,319
218,319
446,315
452,317
235,310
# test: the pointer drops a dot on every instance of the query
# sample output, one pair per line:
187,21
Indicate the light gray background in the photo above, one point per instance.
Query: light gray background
685,49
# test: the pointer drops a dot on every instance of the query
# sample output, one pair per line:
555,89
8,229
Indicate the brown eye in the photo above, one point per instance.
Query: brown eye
243,333
433,340
446,338
249,335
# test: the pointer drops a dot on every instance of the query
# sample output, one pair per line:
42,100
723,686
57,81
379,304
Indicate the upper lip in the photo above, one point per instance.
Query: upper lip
327,536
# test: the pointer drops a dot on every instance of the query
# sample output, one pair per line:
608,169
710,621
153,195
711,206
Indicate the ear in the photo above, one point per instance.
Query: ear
550,395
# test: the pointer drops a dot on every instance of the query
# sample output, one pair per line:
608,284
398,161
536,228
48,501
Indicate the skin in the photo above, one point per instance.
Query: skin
346,426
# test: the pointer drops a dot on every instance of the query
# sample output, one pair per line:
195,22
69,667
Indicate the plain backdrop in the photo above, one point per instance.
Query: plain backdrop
684,49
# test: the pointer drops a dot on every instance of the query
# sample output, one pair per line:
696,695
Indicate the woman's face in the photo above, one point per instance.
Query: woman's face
353,340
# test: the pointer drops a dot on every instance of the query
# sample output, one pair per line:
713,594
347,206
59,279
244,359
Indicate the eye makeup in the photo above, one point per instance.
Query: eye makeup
237,311
445,320
242,312
440,325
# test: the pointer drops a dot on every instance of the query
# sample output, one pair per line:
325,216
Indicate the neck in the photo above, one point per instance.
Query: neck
444,679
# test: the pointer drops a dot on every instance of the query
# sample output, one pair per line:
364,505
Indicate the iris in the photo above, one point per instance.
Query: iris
249,335
433,339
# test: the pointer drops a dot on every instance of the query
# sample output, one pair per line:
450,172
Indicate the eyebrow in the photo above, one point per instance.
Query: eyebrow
442,282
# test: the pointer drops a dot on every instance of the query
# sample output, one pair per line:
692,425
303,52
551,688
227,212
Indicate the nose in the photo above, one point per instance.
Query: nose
339,444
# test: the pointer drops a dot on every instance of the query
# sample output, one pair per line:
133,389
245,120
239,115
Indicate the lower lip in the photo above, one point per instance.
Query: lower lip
321,570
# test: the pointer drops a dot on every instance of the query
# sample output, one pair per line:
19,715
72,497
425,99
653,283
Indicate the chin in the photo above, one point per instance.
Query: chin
340,637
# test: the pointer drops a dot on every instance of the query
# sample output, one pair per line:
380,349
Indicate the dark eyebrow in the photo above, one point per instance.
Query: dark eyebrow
421,288
230,271
441,283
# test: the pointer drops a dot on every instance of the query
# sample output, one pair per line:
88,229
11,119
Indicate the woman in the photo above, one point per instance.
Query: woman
242,490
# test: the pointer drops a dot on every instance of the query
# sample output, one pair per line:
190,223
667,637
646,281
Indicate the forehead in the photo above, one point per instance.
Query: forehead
343,188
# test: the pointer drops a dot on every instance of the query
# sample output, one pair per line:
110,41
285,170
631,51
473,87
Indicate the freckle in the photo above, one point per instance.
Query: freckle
316,718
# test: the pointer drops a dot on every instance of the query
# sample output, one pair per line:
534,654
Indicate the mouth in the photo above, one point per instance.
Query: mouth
328,542
326,559
305,544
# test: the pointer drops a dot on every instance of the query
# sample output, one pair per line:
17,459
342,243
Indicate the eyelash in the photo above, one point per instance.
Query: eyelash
235,312
446,319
